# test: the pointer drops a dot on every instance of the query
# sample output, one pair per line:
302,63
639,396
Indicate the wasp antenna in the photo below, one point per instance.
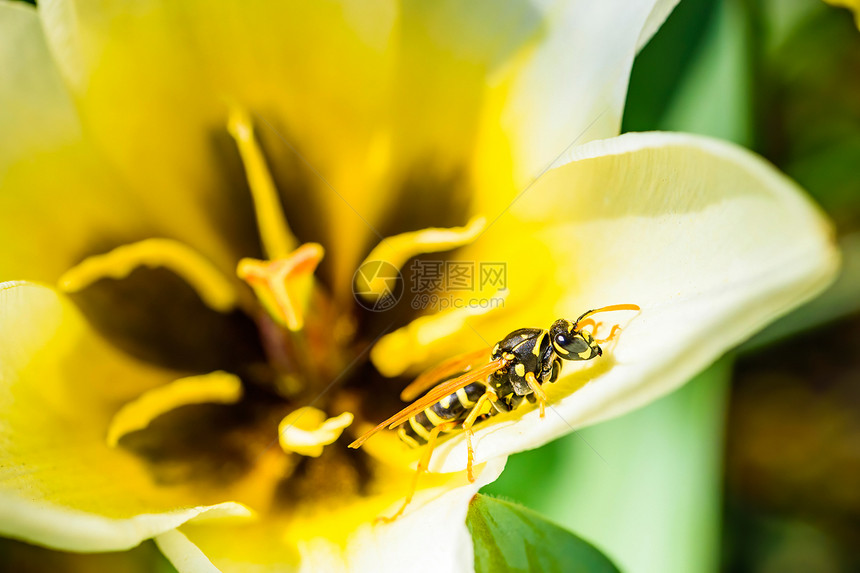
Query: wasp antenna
608,309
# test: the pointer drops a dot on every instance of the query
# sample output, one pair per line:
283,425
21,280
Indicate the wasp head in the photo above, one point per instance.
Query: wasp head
572,344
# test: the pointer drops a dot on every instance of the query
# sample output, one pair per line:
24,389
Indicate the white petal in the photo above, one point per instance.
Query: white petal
571,89
711,242
441,522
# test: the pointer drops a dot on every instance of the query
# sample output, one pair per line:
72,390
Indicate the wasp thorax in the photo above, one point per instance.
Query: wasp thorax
572,344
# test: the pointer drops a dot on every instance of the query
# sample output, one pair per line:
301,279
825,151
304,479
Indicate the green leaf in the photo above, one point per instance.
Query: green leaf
509,537
663,64
644,487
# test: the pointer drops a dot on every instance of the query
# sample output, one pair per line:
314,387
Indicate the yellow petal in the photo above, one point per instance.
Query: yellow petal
170,134
186,556
214,387
361,105
339,540
315,72
421,339
398,249
61,485
710,241
306,430
59,197
216,290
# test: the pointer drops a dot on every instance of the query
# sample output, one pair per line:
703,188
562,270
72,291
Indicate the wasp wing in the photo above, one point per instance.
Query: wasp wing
433,376
433,396
449,387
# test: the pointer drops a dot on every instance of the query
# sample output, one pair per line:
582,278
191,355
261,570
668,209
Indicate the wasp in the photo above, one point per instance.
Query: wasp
459,395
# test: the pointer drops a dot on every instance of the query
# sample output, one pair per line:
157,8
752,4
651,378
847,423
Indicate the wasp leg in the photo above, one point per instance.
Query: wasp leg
590,322
538,390
489,396
422,467
615,330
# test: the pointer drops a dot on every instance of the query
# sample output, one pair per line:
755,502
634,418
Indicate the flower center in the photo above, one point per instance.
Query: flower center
269,430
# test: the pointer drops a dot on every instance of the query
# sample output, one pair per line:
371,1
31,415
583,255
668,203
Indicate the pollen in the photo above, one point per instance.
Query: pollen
307,430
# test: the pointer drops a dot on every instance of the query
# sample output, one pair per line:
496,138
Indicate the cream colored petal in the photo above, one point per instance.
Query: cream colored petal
61,485
262,547
58,197
571,87
711,241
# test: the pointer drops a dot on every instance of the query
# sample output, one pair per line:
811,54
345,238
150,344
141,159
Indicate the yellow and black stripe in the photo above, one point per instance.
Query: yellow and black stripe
454,407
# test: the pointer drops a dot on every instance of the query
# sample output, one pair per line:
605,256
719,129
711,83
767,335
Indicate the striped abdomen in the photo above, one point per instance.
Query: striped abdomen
454,407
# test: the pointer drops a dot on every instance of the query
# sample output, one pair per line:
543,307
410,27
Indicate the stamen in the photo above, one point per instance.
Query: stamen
306,430
215,289
215,387
284,285
412,344
398,249
275,234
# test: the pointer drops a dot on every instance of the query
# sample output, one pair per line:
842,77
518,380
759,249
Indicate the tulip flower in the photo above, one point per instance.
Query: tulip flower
188,189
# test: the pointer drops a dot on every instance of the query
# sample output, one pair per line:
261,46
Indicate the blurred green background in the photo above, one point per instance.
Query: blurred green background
755,465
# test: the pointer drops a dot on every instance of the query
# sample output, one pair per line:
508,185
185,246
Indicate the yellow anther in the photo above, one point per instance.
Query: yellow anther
413,344
306,430
213,287
216,387
275,234
398,249
284,286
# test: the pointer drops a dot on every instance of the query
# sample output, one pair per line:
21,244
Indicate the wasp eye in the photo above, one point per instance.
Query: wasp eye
566,344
